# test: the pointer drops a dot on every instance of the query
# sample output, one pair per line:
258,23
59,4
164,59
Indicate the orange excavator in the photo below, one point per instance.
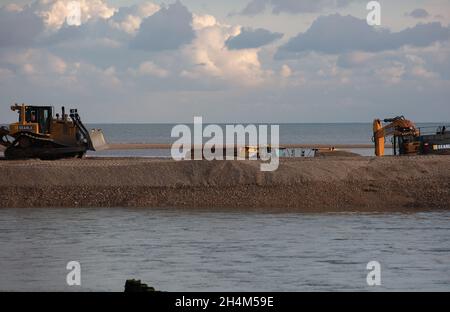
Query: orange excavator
408,139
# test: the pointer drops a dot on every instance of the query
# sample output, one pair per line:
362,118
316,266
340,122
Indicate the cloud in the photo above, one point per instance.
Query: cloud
90,30
285,71
19,26
129,19
187,49
33,61
252,38
293,6
149,68
223,71
255,7
418,13
335,34
354,59
55,12
392,74
44,21
210,57
395,66
203,21
167,29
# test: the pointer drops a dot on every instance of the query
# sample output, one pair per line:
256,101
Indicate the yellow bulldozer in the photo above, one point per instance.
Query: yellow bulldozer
40,134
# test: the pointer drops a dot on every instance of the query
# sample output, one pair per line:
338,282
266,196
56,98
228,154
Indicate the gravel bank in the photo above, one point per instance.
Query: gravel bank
356,184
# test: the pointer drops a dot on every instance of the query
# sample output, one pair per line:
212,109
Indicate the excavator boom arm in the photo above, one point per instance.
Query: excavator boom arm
398,126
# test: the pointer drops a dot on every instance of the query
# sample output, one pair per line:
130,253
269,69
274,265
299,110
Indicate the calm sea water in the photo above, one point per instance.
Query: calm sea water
342,133
200,251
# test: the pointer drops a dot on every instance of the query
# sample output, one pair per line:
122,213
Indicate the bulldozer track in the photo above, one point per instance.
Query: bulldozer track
40,147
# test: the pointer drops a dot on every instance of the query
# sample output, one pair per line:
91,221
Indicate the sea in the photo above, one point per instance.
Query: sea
291,133
179,250
174,250
315,133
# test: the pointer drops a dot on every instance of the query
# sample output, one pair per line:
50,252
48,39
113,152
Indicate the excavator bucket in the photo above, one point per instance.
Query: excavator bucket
98,142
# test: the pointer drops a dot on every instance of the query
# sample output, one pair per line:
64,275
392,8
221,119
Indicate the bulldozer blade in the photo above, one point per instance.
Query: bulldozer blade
98,140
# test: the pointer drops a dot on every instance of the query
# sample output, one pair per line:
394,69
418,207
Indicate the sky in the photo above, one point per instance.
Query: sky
268,61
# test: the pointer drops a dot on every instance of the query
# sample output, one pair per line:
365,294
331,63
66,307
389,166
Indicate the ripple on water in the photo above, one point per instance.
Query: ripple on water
200,251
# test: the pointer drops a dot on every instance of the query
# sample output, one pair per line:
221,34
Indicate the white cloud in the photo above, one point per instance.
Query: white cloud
111,77
355,59
392,74
203,21
96,63
151,69
129,24
250,38
147,9
28,69
408,63
34,62
130,19
210,57
286,71
13,7
55,12
421,72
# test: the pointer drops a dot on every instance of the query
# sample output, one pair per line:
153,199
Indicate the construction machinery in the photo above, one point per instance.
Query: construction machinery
408,139
39,134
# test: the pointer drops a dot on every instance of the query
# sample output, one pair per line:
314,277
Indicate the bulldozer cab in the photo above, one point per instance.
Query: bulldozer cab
36,119
42,115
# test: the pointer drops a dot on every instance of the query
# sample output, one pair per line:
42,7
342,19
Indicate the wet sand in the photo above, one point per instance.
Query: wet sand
149,146
335,184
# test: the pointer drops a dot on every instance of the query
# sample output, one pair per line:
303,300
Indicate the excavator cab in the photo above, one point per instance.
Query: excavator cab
404,132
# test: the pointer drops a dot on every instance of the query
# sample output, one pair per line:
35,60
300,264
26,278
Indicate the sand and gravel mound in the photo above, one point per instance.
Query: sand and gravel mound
321,184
